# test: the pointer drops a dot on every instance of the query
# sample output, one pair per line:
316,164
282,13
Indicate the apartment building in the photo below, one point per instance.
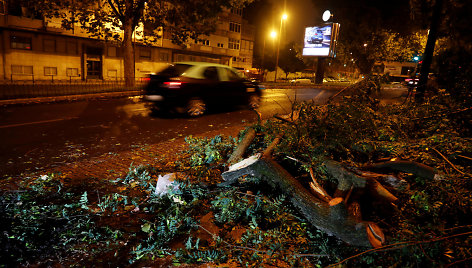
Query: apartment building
40,49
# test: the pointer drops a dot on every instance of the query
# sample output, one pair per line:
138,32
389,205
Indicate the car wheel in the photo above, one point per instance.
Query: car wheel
196,107
254,101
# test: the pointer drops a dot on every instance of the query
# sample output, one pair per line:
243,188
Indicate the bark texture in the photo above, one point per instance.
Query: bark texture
332,218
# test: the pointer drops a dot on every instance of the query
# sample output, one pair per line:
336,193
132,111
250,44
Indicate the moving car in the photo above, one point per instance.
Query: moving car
191,86
300,81
412,83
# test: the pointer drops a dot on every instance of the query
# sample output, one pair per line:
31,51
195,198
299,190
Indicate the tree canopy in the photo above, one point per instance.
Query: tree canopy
290,59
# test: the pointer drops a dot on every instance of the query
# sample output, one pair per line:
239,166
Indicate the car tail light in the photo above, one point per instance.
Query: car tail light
173,84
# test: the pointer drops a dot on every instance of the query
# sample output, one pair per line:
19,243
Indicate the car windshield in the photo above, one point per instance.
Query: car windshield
175,70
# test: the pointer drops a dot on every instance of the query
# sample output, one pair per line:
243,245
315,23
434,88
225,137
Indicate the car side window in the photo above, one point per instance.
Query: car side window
211,73
232,76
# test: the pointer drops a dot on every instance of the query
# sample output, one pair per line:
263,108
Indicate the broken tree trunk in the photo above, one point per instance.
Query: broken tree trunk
332,218
349,180
394,182
242,147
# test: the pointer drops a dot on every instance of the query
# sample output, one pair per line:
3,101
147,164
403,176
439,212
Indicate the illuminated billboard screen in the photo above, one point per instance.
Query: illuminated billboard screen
320,40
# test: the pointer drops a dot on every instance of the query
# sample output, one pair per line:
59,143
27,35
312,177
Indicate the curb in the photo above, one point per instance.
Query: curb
69,98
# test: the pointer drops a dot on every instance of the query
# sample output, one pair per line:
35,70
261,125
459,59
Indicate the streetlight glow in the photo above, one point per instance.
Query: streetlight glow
273,34
284,17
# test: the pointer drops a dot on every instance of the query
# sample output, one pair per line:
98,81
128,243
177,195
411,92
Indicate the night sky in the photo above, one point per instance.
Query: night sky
265,14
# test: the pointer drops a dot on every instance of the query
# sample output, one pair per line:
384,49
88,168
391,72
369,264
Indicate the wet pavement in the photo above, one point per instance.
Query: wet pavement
42,136
38,137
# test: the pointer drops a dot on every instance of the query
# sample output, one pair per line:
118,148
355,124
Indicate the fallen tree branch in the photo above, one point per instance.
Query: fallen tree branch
415,168
284,119
268,151
217,238
465,157
331,218
397,246
398,184
447,160
317,189
237,155
443,114
348,180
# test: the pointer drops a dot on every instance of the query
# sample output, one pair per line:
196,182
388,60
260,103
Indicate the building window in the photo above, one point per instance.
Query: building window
237,11
20,42
145,53
72,72
111,52
180,57
50,71
221,45
113,73
22,70
164,56
49,45
233,43
204,42
71,48
235,27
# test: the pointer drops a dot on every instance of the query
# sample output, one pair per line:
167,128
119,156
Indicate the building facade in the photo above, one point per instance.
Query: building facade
40,49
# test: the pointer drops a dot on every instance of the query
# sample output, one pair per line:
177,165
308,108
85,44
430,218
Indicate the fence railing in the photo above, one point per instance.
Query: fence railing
48,88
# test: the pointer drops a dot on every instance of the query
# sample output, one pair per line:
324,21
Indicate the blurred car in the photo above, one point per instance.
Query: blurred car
412,82
300,81
329,79
317,38
191,86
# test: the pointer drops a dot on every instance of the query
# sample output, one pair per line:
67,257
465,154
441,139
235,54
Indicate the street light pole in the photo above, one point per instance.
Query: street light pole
273,34
284,17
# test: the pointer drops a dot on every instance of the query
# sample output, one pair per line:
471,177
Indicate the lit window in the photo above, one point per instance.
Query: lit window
164,56
22,70
233,43
112,73
49,71
72,72
235,27
20,42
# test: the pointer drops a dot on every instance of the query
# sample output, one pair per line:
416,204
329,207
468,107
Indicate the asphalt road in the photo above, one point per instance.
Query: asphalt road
40,136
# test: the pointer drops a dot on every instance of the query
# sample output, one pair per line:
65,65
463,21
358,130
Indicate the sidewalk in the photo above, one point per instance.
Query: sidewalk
70,98
116,165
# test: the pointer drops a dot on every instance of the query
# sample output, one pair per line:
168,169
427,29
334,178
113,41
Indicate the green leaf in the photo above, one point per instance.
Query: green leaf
146,227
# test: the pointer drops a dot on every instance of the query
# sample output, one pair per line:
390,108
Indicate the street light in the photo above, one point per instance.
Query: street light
273,34
284,17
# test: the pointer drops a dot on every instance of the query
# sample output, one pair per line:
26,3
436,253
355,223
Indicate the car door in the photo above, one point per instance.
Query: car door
233,86
209,89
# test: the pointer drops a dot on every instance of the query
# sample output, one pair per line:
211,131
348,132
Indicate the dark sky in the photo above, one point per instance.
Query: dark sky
265,14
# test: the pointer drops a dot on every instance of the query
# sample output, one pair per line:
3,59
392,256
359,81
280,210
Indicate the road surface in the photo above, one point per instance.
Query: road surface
41,136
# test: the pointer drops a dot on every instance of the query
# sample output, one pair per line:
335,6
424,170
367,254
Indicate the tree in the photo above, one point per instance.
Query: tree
447,20
119,19
370,30
291,60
